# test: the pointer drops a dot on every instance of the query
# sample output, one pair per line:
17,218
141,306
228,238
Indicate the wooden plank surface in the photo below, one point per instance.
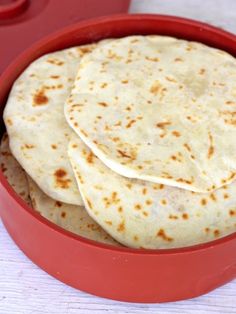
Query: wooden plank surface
26,289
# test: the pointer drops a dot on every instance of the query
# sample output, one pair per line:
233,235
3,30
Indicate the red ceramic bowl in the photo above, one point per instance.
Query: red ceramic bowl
117,273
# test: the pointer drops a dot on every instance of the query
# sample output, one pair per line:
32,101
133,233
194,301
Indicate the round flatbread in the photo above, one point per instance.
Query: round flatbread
34,117
143,214
69,217
159,109
13,172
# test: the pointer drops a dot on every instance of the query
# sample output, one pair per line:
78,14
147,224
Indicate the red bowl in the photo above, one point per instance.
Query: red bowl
117,273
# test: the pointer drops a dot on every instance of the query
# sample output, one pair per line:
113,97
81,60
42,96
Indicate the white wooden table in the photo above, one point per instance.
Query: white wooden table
26,289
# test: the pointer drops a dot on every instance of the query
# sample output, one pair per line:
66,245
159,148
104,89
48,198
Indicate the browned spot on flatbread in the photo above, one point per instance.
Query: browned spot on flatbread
61,180
6,154
80,177
163,202
216,233
107,128
170,79
90,205
174,217
29,146
120,209
54,146
121,226
202,71
129,186
40,99
58,204
137,206
128,61
131,155
185,180
148,202
144,191
128,108
162,125
115,139
129,125
203,201
108,222
63,214
54,76
103,104
161,233
155,88
176,133
9,122
167,175
135,238
113,199
178,60
153,59
85,50
229,102
103,85
55,62
117,123
213,197
187,147
185,216
3,167
232,212
231,176
90,158
84,133
211,147
133,41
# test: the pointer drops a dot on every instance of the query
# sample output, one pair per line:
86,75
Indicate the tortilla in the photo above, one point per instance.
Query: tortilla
159,109
13,172
36,125
69,217
143,214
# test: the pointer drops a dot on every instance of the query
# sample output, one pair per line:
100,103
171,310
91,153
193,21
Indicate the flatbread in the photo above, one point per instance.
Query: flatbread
13,172
143,214
69,217
159,109
36,124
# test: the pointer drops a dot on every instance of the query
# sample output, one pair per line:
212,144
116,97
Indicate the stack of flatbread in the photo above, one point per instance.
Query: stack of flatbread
128,141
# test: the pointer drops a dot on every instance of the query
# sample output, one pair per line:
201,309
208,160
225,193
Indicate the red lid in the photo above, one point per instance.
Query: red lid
23,22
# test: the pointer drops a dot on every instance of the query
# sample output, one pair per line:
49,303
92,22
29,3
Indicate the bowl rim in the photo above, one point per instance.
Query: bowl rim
72,236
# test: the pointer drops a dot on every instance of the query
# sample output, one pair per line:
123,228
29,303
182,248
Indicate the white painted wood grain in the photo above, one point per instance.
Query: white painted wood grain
26,289
221,13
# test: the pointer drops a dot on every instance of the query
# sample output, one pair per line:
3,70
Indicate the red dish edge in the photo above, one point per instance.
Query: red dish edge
50,38
36,50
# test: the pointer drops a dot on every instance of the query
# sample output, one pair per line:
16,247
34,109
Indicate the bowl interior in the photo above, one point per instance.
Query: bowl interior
113,27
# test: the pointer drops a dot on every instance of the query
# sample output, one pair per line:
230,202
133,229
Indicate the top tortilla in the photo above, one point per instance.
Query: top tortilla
159,109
